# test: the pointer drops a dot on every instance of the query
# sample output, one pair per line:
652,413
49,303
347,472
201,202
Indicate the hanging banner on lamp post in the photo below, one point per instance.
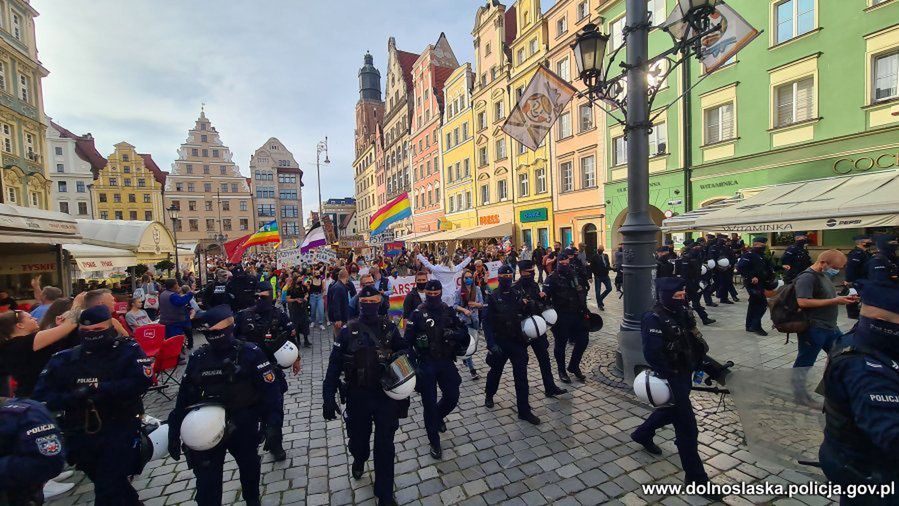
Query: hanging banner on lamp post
539,108
719,46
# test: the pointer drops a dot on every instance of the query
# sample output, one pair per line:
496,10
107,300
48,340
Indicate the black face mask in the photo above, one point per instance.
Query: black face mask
801,242
505,283
433,300
369,310
420,286
667,299
219,338
527,278
93,339
759,249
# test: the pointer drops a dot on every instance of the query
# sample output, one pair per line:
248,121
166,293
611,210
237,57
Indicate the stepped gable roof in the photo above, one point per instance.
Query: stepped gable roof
158,173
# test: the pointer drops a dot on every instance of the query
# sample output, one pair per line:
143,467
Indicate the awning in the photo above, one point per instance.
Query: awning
465,234
27,225
858,201
90,258
422,236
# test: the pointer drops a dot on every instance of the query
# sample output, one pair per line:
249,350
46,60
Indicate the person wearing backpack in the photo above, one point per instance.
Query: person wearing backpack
757,272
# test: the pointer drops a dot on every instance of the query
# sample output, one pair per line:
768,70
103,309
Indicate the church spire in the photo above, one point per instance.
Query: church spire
369,80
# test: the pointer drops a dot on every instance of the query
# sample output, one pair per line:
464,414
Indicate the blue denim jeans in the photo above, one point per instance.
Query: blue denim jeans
316,309
811,342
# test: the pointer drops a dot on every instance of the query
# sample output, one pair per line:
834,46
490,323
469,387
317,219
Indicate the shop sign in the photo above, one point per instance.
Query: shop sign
866,163
532,215
490,219
28,264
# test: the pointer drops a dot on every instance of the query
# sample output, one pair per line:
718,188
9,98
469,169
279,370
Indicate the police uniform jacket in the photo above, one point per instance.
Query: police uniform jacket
31,448
216,294
566,294
672,345
665,266
360,352
255,323
505,310
413,299
882,268
434,332
797,258
856,264
752,265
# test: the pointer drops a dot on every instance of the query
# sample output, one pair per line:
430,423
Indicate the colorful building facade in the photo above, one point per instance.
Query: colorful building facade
457,147
368,146
277,181
75,161
129,187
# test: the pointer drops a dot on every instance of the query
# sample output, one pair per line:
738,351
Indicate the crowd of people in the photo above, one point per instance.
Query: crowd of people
74,357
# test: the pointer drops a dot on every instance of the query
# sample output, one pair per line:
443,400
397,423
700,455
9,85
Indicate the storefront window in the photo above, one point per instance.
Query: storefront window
565,236
786,238
526,237
543,237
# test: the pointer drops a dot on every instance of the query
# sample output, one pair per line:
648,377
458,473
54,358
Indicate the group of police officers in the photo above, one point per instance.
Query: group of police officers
231,395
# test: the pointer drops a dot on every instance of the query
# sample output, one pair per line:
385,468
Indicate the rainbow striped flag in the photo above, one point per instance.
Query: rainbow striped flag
395,210
268,233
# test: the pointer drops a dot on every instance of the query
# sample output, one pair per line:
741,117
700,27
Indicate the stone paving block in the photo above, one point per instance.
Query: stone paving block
452,495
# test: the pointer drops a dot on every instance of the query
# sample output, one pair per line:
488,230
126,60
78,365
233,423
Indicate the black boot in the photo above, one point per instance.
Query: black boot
554,391
577,373
563,377
488,402
647,445
358,469
436,451
530,418
306,343
708,321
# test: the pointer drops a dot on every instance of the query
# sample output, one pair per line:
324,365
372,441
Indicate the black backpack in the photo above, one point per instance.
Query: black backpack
786,314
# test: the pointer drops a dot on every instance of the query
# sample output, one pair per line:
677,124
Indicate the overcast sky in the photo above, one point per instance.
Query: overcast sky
138,70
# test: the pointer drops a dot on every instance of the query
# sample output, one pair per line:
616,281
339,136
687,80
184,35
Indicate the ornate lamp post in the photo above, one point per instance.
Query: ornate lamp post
321,147
175,215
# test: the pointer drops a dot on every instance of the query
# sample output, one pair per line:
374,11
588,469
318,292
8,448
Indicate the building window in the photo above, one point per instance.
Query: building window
563,68
656,10
207,187
562,26
2,76
29,147
886,77
243,205
616,33
619,153
487,49
64,207
226,224
482,120
500,149
482,156
719,123
215,153
289,212
224,188
190,187
658,140
566,175
540,177
226,205
502,190
176,205
61,186
244,224
147,198
585,115
132,198
524,186
208,205
148,216
520,55
82,208
58,151
102,197
24,89
179,187
127,181
194,152
113,182
265,209
191,205
79,186
132,215
588,172
7,137
210,224
193,225
499,110
565,125
141,183
793,18
287,194
224,171
533,46
104,215
204,138
126,169
565,236
485,194
125,158
794,102
583,10
17,26
452,205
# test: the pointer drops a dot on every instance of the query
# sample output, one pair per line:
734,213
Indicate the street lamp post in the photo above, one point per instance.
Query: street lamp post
174,216
322,147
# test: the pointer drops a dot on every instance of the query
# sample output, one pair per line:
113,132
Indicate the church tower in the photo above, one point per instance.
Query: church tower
370,107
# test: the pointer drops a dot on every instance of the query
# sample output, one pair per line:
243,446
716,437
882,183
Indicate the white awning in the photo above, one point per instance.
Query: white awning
464,234
27,225
858,201
90,258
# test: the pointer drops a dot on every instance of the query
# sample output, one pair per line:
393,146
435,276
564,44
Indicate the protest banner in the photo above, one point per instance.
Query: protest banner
399,288
493,274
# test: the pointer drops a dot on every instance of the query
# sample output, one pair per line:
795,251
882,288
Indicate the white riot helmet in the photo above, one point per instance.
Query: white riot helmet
704,270
710,263
533,326
160,440
550,316
204,427
652,389
723,263
398,381
287,354
472,343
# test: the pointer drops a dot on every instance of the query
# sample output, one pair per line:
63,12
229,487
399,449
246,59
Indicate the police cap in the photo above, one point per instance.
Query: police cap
433,285
670,285
368,291
662,249
800,234
760,239
883,239
524,265
506,270
94,315
214,315
863,237
878,294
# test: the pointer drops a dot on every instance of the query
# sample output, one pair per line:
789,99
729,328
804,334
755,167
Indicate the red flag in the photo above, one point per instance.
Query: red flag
234,249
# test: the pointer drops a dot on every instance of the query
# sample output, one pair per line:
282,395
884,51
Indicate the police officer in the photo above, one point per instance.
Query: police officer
673,348
507,343
216,292
757,273
856,268
535,302
689,267
884,266
568,295
433,332
268,327
360,353
861,389
242,287
709,252
238,376
796,258
31,451
665,260
724,276
98,386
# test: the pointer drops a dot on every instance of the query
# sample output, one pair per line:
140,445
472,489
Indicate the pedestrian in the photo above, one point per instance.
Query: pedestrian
172,309
537,257
216,291
757,273
149,290
446,273
136,316
339,300
298,305
468,304
600,266
416,295
45,297
316,301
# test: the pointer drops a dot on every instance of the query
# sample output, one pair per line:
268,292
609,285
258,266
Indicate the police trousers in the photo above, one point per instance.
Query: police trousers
108,458
541,353
570,327
242,444
517,353
685,431
364,408
725,281
694,295
274,435
711,285
432,373
758,305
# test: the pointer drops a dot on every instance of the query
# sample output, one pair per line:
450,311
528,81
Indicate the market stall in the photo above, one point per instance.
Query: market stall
149,241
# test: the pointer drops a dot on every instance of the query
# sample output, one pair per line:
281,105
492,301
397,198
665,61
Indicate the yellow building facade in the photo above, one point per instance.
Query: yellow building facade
366,196
129,187
531,184
458,151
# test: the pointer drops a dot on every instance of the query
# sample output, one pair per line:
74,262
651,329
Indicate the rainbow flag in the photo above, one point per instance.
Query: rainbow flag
396,305
268,233
493,283
395,210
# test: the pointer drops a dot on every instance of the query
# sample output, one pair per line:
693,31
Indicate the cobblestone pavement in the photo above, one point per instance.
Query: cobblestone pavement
581,454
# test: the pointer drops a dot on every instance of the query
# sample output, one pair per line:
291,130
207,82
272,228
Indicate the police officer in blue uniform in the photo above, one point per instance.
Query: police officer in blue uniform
535,302
665,260
433,332
861,390
360,352
856,268
216,292
507,343
724,277
673,348
242,287
796,258
884,266
709,251
98,386
567,292
757,273
689,267
268,327
31,451
238,376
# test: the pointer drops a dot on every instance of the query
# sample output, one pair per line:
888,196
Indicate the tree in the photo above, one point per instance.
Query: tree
138,270
165,265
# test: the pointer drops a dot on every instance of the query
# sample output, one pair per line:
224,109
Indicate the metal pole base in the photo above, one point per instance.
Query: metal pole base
630,348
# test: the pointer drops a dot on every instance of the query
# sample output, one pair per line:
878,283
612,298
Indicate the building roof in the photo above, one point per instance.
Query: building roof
158,174
511,23
407,61
84,148
347,218
441,74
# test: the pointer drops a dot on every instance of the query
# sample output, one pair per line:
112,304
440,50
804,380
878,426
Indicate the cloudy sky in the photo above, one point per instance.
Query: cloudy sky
138,70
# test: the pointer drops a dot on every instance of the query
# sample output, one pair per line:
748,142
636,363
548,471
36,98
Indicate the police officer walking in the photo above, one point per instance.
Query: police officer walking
796,258
238,377
665,260
268,327
568,295
757,272
689,267
362,351
535,302
724,275
673,348
861,390
856,268
216,292
433,332
242,288
884,266
98,387
507,343
31,451
708,252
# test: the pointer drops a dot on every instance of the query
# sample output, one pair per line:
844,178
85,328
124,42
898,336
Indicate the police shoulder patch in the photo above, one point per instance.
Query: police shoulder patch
49,445
268,376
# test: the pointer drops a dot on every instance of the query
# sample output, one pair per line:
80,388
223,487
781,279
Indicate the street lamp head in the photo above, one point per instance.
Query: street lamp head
589,52
173,213
327,160
697,13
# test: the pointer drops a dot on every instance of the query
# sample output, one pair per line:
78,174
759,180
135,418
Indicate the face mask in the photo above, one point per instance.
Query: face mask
420,286
369,284
369,309
219,337
97,338
433,300
759,249
667,299
469,281
831,273
527,277
505,283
